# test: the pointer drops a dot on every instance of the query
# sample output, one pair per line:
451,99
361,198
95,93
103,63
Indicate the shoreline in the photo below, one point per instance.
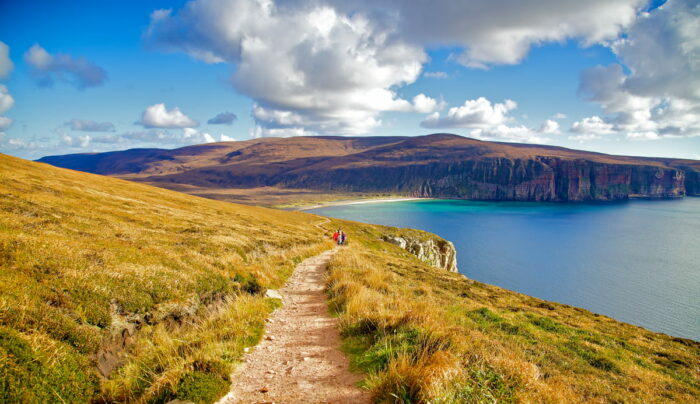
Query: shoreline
359,202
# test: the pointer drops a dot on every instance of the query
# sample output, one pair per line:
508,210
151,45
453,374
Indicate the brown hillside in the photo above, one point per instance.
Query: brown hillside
439,165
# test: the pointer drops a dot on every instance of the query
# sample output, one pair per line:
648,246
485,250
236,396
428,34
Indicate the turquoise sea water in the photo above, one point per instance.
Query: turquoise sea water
635,261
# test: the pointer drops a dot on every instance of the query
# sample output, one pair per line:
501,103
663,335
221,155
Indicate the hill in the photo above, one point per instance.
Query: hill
114,291
275,170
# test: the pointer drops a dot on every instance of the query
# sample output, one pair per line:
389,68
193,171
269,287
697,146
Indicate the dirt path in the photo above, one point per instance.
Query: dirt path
299,360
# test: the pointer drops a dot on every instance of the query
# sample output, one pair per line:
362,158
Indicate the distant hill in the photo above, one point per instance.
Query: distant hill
438,165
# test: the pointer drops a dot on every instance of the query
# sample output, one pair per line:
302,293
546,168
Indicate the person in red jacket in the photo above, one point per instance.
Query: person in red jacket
336,235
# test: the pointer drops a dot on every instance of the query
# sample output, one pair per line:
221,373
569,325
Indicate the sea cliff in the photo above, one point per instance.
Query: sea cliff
540,179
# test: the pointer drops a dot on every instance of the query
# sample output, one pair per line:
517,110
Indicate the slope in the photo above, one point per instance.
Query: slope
119,291
112,291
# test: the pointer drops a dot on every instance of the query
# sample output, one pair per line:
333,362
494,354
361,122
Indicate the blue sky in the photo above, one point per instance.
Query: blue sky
323,67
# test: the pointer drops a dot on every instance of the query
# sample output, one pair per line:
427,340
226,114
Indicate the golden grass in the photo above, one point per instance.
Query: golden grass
90,262
425,335
87,260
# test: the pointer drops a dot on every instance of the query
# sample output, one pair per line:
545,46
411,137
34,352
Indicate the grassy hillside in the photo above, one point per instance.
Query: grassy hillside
112,291
98,273
425,335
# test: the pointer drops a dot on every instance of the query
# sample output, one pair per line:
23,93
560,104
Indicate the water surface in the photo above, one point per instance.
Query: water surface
636,261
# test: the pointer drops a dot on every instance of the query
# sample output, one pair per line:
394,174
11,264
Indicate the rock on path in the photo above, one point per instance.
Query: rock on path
299,360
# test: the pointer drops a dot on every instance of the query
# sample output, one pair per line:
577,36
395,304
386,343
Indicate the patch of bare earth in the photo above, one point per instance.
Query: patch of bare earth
299,360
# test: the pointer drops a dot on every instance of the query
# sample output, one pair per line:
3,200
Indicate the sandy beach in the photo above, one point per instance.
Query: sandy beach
359,202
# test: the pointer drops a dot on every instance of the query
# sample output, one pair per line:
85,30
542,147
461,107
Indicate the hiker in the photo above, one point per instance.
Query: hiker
342,238
336,235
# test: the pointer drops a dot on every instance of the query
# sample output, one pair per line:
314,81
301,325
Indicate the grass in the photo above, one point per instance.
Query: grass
114,291
425,335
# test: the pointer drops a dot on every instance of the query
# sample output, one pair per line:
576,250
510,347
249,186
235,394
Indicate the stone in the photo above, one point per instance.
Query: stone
273,294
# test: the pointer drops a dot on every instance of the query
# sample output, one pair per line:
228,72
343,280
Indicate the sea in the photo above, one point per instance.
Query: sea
637,261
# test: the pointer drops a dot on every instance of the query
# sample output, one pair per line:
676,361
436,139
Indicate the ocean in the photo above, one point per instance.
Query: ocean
636,261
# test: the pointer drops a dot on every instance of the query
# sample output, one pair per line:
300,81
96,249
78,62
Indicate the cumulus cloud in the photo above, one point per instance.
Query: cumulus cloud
158,116
479,113
47,69
333,67
660,96
224,138
193,136
75,141
334,74
6,100
505,133
499,31
549,127
591,128
224,118
6,64
490,121
5,122
90,126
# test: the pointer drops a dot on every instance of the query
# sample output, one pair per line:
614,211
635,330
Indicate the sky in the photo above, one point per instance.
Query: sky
619,77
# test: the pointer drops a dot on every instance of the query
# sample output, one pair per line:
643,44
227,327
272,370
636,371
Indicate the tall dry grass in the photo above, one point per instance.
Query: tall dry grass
423,335
90,263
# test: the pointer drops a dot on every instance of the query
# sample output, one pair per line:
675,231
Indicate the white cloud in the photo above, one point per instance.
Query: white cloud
334,74
660,96
499,31
6,100
558,116
16,144
193,136
6,64
593,125
156,137
260,131
75,141
642,135
478,113
224,138
490,121
549,127
48,69
425,105
90,126
333,67
158,116
520,134
5,122
436,75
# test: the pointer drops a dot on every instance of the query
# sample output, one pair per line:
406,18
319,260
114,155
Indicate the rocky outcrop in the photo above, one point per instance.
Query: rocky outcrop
436,251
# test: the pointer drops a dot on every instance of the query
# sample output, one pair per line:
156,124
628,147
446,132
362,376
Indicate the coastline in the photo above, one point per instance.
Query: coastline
358,202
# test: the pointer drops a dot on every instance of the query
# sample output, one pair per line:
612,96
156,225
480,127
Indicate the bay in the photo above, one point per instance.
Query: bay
636,261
